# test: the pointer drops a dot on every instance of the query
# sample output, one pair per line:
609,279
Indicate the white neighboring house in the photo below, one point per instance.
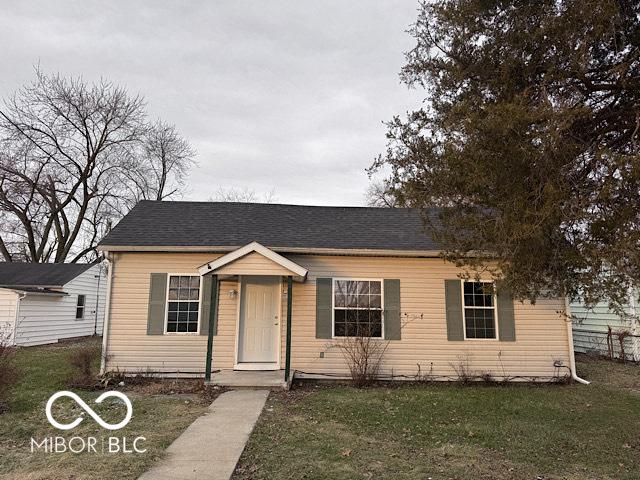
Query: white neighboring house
591,327
46,302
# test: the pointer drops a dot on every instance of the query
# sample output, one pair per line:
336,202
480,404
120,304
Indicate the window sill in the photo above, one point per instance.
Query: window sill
373,338
481,339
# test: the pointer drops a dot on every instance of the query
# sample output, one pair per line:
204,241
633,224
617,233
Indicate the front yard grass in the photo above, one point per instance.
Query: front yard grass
159,418
449,431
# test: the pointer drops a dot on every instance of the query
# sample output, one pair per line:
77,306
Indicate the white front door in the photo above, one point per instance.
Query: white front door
259,326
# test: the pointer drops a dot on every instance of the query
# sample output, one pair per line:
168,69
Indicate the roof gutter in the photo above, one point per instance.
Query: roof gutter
43,294
292,250
25,291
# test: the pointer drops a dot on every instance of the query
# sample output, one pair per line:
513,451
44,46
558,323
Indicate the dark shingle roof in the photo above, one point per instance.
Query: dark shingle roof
152,223
39,274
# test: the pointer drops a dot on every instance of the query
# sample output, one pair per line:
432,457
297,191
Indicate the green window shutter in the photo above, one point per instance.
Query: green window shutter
453,303
324,304
157,303
205,310
506,318
392,317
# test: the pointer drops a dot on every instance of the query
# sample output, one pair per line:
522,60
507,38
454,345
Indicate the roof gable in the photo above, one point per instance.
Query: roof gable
253,258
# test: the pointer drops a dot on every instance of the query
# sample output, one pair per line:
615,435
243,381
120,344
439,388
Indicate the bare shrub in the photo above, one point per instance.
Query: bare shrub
83,359
425,377
112,377
363,355
364,351
9,373
463,369
487,377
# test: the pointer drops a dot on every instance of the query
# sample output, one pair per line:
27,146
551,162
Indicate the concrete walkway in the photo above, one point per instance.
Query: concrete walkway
211,446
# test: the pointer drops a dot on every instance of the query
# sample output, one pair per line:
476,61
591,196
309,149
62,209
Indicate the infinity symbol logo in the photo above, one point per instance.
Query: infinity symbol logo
89,410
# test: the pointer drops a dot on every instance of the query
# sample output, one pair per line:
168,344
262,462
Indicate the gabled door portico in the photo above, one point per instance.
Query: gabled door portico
260,272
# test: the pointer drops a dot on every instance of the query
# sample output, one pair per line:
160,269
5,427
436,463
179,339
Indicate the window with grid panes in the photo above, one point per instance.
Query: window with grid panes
479,310
80,306
183,304
357,308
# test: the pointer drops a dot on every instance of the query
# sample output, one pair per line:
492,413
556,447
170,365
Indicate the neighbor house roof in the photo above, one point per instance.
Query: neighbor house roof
41,275
281,227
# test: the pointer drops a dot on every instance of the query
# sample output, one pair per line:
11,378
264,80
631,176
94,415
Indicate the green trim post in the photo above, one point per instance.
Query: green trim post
287,364
213,315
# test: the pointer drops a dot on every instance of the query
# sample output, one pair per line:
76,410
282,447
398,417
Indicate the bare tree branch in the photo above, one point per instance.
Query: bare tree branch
379,195
242,195
74,157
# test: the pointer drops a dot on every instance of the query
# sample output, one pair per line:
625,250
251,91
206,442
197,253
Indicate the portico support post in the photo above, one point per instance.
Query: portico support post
287,363
213,315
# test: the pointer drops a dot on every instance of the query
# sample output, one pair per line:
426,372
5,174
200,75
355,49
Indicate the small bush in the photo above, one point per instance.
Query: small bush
487,377
425,377
363,354
82,360
463,369
9,373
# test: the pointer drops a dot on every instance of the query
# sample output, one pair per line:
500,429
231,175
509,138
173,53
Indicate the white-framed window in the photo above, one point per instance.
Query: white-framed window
357,307
183,304
80,306
479,310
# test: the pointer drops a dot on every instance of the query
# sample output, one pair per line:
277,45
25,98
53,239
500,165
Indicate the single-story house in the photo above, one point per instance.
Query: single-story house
47,302
201,286
601,331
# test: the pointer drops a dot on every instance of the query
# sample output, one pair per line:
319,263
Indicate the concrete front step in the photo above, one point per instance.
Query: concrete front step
249,379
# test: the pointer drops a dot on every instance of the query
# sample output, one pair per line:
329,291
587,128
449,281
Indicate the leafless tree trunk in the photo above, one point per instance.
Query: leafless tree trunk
68,150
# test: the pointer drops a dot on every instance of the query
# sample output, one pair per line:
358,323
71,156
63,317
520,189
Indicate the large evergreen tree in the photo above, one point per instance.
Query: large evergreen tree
529,138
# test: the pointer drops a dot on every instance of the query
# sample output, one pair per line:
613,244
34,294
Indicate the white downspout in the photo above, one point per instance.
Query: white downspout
635,341
572,358
19,297
107,313
95,323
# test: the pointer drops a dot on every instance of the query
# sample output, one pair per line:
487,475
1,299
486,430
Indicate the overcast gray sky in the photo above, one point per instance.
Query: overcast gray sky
287,96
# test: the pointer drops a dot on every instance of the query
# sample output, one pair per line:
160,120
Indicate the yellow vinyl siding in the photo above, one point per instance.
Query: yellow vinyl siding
541,333
131,349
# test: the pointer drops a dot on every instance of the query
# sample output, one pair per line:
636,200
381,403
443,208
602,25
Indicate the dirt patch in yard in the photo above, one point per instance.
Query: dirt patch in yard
172,387
609,373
